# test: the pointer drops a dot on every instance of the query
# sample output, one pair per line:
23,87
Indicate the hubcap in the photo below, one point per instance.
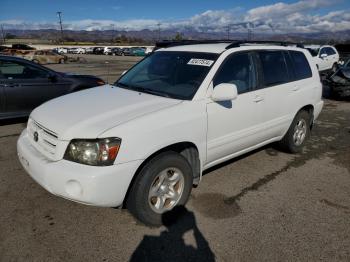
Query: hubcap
166,190
299,132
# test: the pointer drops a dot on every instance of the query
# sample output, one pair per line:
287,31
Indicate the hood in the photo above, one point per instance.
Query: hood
88,113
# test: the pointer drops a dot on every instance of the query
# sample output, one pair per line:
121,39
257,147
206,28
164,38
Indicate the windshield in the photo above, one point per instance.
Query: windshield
171,74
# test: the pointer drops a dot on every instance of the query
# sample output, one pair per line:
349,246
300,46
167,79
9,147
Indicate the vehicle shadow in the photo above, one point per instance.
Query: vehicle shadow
170,245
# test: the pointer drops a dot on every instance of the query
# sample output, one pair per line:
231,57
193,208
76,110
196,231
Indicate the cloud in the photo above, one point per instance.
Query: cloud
298,17
280,10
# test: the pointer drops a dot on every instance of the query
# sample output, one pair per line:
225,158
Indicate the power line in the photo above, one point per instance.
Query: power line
60,21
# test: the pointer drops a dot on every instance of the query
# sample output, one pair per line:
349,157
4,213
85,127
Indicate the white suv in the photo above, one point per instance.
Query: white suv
145,141
326,57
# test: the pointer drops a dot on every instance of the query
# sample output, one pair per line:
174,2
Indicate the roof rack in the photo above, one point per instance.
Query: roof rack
232,43
171,43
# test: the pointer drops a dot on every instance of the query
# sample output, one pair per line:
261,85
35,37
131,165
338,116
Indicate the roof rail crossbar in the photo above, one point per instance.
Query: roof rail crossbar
172,43
281,43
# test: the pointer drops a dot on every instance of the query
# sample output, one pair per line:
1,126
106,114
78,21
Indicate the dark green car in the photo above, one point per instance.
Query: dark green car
138,51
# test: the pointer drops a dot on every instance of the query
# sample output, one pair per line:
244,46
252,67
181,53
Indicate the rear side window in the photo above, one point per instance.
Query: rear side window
301,66
330,51
274,68
14,70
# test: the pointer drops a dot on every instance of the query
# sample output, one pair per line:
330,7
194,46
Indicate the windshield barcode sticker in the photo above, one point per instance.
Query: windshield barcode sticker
200,62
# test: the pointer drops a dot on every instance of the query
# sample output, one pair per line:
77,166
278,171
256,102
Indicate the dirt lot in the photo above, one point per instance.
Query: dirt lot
264,206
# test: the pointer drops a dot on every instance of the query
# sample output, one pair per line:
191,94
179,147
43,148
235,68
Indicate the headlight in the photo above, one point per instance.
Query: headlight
94,152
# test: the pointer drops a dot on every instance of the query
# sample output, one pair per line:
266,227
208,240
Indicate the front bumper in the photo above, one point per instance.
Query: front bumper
91,185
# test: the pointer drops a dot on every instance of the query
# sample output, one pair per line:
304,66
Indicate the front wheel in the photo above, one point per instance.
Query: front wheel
163,183
297,134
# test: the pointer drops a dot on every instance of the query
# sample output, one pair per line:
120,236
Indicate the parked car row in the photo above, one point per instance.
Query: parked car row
99,50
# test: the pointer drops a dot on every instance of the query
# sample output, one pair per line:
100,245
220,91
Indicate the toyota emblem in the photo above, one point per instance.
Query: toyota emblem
36,136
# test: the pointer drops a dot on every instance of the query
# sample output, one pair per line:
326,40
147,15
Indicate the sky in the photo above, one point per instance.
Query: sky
202,15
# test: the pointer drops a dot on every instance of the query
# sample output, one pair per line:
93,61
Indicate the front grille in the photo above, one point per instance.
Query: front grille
43,139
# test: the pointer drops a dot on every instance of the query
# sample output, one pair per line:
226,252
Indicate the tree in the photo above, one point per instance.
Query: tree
178,36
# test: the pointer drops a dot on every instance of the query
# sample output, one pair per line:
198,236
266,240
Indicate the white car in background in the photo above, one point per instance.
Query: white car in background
79,50
107,50
145,141
62,50
149,50
326,57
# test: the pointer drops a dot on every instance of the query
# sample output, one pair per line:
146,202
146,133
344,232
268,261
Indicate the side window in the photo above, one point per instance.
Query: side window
237,69
323,51
274,68
330,51
301,66
13,70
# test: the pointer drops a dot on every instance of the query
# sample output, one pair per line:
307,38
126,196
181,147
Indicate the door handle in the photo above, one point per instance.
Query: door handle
258,99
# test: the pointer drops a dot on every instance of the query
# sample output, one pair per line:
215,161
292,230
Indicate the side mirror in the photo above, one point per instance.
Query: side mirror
323,55
224,92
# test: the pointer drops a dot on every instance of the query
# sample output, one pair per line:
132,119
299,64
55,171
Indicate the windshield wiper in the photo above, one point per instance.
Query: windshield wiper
143,90
154,92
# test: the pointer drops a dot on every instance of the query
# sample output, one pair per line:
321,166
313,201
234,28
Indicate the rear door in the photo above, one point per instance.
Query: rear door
324,60
332,56
27,86
279,93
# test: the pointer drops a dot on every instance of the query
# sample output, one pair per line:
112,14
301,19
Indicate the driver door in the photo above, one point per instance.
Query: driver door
233,126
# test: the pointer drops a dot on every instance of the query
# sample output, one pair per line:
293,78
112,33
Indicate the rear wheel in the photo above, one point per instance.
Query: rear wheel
163,183
297,134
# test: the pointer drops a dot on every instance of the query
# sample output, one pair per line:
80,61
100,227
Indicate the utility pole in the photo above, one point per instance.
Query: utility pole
60,21
159,24
250,31
228,29
3,34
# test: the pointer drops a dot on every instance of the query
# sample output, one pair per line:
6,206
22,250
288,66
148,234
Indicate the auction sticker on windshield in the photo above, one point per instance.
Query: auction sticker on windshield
200,62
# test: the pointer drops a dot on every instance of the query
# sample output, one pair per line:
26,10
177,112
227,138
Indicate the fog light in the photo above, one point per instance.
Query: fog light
73,188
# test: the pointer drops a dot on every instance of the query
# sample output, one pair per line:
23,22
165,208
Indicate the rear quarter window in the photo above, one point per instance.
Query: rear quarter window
301,66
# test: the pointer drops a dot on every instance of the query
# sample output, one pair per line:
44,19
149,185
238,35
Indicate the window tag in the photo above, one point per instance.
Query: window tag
200,62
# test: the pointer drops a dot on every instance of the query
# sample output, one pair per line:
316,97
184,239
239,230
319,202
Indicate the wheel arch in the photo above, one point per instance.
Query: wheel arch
310,109
187,149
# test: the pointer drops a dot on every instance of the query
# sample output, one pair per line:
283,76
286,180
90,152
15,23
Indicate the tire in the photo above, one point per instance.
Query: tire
293,142
148,190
